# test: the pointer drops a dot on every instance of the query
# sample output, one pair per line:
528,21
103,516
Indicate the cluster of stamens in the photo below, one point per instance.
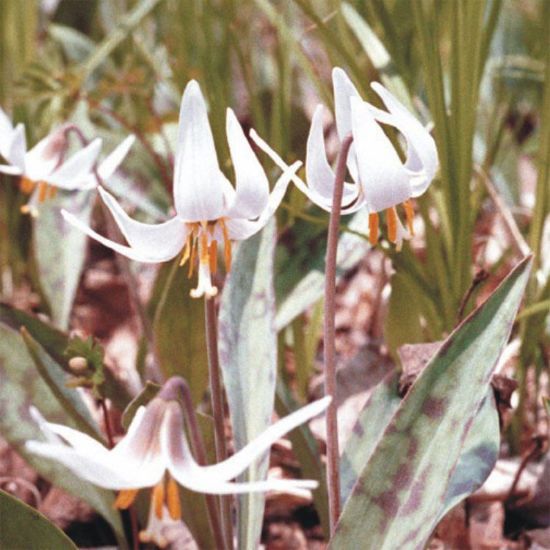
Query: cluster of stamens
45,191
164,496
203,242
391,223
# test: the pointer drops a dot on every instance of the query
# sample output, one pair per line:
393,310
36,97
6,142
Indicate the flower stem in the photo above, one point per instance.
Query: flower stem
216,395
333,458
199,450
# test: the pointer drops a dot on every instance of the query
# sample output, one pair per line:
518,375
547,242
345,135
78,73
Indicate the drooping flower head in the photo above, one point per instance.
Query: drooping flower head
381,181
43,169
155,453
209,210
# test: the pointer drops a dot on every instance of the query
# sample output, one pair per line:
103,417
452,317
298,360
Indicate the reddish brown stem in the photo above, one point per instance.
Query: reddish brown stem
216,395
333,455
169,391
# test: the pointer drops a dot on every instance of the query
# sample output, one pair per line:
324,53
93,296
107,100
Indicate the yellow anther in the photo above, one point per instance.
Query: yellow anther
409,215
157,500
26,185
213,256
374,224
42,191
125,498
186,251
173,499
204,256
391,220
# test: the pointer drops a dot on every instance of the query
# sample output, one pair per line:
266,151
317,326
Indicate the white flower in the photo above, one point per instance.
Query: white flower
43,169
208,209
156,448
381,180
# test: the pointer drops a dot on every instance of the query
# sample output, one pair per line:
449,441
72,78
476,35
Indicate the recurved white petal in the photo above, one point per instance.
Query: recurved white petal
344,90
252,187
6,131
421,149
10,170
319,174
76,171
189,474
325,204
101,469
108,166
198,192
149,243
384,179
44,157
241,460
241,229
18,147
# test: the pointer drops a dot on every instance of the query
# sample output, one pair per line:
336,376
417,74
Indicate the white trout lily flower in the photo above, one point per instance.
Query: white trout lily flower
381,181
43,169
208,209
155,453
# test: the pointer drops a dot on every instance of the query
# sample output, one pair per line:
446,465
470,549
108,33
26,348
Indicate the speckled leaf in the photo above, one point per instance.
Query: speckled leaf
479,455
179,329
400,493
24,527
21,386
248,356
373,419
297,292
60,251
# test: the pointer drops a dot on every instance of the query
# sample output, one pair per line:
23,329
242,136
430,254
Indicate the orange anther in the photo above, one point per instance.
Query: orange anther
157,500
374,224
42,191
173,499
213,256
409,215
391,220
125,498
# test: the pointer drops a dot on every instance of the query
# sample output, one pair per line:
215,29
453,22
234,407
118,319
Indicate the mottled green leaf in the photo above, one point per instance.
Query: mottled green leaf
24,527
400,493
60,251
248,356
22,387
373,420
179,329
478,457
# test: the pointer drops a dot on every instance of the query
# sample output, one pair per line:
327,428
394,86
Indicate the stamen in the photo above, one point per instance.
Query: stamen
186,251
173,499
391,220
226,246
157,500
204,247
213,255
125,498
374,224
26,185
193,254
409,215
52,191
42,191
